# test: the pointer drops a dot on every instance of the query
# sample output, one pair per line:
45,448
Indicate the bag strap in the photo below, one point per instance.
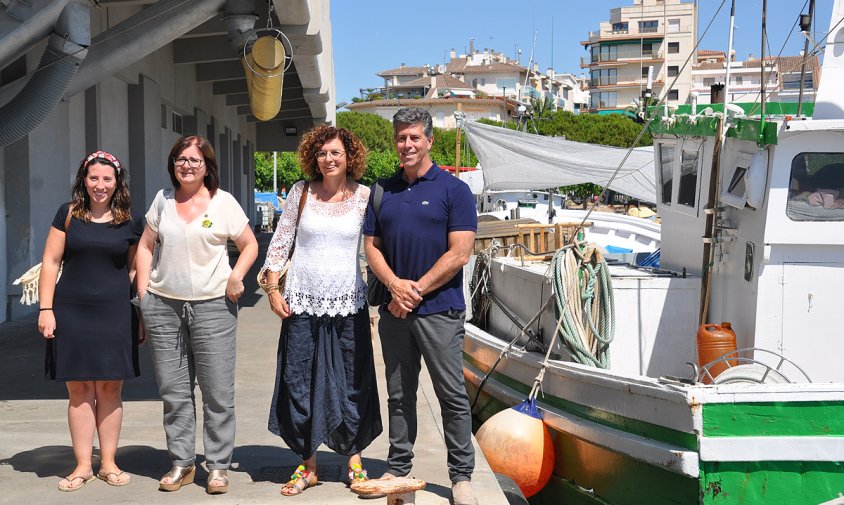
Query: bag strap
67,219
302,200
376,200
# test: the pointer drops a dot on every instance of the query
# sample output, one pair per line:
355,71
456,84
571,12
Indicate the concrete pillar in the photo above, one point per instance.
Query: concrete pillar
148,175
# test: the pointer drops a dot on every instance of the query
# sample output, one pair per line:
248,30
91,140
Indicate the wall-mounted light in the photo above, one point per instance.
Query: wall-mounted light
290,130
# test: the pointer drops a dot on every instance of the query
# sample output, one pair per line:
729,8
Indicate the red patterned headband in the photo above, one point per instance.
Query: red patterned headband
104,156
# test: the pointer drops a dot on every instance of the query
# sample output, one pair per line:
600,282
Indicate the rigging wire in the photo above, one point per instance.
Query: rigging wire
648,121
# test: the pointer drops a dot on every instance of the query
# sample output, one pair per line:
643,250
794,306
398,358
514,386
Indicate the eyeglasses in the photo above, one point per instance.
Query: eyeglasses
191,162
321,155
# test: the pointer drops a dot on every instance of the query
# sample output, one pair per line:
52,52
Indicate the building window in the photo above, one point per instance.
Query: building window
603,99
673,25
474,83
673,47
648,26
709,81
645,72
647,50
739,80
178,125
604,77
604,53
483,81
673,70
619,27
673,95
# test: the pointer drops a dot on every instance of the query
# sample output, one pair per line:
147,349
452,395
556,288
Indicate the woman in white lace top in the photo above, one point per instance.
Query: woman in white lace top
325,388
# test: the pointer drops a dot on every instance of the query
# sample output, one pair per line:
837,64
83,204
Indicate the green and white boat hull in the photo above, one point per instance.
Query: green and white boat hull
635,440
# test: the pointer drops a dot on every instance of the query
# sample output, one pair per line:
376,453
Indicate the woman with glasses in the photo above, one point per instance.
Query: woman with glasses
325,389
86,317
188,297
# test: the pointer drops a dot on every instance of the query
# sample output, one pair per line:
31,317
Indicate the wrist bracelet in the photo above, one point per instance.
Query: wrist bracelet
390,285
45,308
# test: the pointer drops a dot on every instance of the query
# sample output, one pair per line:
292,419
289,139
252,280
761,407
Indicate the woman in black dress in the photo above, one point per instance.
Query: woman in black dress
86,317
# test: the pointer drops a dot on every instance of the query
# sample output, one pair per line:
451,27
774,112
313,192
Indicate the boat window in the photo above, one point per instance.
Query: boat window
687,194
666,171
816,188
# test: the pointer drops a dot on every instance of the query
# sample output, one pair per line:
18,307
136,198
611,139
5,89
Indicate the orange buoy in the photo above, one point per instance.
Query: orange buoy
714,341
517,444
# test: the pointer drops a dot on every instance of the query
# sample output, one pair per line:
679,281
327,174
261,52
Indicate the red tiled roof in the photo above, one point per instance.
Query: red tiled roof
403,71
405,102
492,68
447,81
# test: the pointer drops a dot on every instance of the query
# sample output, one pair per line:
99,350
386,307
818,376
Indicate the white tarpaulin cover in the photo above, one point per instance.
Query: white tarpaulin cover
514,160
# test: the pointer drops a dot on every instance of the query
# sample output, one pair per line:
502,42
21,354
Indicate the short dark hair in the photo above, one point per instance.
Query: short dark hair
414,116
212,172
315,138
120,204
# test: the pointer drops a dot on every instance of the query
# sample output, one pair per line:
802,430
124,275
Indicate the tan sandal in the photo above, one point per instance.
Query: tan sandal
115,478
70,487
300,480
179,476
220,476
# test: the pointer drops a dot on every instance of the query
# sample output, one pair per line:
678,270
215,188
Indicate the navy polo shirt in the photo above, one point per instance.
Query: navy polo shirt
413,224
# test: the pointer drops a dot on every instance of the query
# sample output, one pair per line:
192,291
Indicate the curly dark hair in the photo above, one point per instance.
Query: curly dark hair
120,204
314,139
212,172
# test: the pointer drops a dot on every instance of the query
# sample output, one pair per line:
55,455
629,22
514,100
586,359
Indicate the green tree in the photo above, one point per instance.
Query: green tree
375,132
380,164
443,152
288,170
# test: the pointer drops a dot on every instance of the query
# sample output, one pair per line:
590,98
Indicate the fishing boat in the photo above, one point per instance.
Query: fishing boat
752,209
513,159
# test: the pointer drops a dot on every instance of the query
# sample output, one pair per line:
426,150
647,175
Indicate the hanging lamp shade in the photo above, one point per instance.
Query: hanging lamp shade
264,68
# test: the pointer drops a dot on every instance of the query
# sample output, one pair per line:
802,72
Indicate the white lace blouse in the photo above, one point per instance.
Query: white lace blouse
324,276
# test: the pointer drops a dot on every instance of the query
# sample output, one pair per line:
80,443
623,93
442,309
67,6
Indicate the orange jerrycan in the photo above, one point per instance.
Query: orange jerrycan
714,341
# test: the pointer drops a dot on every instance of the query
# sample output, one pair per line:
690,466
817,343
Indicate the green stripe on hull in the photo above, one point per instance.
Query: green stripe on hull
619,422
613,477
771,482
771,419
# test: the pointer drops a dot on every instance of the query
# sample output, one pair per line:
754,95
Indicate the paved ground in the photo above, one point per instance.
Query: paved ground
35,447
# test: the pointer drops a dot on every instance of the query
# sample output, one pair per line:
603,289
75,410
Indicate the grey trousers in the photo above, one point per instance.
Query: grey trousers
194,342
439,339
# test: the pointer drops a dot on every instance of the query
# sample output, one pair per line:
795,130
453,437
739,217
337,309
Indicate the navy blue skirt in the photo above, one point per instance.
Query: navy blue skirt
325,389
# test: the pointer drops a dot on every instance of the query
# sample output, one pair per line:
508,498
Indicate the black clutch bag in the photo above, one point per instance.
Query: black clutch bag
376,291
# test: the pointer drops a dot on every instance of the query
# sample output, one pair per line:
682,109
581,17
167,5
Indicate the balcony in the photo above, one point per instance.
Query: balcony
609,83
621,58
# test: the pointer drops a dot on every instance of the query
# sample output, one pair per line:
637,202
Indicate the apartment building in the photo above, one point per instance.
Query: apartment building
650,33
481,84
782,77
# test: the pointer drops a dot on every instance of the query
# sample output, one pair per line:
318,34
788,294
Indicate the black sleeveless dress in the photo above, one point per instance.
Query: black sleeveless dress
94,337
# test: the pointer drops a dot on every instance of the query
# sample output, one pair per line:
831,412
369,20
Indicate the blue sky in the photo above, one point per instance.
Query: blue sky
374,35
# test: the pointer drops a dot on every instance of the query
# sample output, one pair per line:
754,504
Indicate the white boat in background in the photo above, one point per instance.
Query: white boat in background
647,428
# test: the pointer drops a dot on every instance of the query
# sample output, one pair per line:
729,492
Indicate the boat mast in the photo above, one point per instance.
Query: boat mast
762,65
712,207
729,55
805,26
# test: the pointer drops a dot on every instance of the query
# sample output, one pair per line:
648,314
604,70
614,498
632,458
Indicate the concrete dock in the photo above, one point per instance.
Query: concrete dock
35,449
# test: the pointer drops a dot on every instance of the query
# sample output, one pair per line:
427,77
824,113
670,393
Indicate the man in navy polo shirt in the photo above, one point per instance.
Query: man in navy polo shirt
417,246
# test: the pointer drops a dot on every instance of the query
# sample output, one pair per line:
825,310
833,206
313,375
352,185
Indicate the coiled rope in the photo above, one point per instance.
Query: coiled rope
585,306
